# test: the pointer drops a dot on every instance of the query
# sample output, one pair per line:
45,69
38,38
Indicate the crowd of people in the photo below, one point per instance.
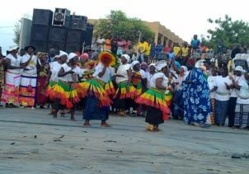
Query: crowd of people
127,80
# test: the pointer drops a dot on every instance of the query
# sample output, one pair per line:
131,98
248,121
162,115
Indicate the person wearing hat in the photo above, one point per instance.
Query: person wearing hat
10,94
83,59
196,98
125,89
155,98
66,88
177,108
53,78
236,78
150,73
241,120
138,80
98,101
28,78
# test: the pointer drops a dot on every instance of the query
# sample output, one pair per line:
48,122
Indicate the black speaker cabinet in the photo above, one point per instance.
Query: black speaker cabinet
75,40
39,32
78,22
39,37
57,34
89,35
42,17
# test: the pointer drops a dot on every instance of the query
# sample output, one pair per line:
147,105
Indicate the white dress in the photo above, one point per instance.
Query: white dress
165,81
122,70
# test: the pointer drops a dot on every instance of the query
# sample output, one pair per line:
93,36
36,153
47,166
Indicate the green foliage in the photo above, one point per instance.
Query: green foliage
228,32
17,32
117,24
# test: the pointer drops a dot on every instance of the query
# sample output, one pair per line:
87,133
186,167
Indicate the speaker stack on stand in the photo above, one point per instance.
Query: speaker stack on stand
76,34
42,20
60,30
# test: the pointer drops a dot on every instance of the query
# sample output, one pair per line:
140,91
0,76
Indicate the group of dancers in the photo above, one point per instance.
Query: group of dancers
113,83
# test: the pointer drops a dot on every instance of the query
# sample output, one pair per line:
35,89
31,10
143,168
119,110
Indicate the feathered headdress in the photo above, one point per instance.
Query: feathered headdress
106,57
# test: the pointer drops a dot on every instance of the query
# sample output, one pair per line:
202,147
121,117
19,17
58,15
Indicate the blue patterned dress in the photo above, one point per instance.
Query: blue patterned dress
196,97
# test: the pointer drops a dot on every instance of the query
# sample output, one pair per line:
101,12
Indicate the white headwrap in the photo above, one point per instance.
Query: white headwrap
239,68
184,68
62,53
126,56
71,56
11,48
161,64
152,64
134,63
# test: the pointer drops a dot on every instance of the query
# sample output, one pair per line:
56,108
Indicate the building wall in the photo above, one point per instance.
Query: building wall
162,34
25,32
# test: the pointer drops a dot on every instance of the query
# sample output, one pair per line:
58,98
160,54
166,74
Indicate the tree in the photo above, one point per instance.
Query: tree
117,24
227,32
17,28
17,32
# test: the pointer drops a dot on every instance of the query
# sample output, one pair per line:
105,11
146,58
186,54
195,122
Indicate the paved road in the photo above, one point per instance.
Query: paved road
31,141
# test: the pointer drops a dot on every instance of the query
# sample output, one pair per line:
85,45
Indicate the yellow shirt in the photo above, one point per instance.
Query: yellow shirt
149,50
176,50
185,51
143,47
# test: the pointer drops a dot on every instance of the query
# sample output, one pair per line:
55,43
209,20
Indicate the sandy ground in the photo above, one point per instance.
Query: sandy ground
31,141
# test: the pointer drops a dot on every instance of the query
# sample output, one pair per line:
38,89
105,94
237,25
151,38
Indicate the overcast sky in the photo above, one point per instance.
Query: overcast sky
184,17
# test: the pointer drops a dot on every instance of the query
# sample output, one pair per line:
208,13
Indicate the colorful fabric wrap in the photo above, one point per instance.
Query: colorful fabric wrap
139,88
95,87
126,91
67,93
50,92
154,98
169,98
109,88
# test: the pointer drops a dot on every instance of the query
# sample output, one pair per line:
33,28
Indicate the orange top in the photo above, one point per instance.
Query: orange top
108,44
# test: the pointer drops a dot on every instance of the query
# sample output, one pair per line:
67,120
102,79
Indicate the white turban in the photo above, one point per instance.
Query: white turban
184,68
134,63
152,64
160,65
126,56
11,48
71,56
62,53
239,68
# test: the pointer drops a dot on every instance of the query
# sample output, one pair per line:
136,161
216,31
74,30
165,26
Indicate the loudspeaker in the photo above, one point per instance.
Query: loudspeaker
39,32
78,22
61,17
42,17
75,40
57,38
89,35
39,37
74,35
57,34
